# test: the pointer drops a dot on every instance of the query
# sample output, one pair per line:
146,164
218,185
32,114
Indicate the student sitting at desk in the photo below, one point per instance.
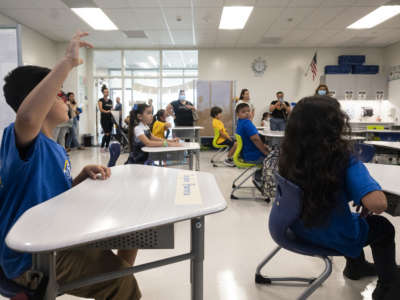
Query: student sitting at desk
316,157
160,125
254,150
34,168
224,138
140,135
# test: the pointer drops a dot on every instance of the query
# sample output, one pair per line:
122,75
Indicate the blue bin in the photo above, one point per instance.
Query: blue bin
351,59
345,69
365,69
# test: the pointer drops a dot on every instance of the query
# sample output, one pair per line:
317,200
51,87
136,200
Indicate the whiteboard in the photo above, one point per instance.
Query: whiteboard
10,58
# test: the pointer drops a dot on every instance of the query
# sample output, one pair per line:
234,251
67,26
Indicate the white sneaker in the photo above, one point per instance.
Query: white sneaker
229,162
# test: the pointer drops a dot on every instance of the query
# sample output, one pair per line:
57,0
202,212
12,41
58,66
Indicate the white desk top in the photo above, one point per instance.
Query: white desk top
355,138
383,144
278,134
387,176
136,197
383,131
187,127
184,147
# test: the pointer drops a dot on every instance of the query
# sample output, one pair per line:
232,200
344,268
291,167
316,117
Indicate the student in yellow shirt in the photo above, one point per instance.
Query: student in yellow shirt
224,138
160,126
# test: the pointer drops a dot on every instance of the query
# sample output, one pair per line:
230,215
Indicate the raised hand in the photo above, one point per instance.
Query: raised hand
72,53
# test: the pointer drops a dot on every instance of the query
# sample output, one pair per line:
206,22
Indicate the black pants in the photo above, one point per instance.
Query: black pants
381,240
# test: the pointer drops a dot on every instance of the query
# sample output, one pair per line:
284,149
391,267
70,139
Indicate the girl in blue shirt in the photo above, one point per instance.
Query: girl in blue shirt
316,156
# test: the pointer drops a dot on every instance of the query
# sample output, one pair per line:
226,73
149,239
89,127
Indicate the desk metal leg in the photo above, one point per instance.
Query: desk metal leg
46,263
196,264
197,160
190,157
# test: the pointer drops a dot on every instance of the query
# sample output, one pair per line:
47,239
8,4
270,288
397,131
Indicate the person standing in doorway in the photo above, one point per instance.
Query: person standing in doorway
72,139
118,107
245,98
150,103
279,110
105,107
182,110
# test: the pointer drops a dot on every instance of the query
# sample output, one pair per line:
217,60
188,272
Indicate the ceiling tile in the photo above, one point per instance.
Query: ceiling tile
239,2
185,15
228,36
291,17
137,19
183,37
305,3
297,35
320,36
159,36
320,17
113,3
348,17
208,3
272,3
207,17
335,3
31,4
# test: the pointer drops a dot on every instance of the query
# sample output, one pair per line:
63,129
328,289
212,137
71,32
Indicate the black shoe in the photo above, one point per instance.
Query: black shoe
393,293
380,291
357,271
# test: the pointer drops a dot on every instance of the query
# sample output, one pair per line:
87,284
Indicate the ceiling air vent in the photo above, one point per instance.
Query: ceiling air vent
135,34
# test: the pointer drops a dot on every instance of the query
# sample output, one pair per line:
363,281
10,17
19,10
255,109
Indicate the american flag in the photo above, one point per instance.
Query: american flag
313,66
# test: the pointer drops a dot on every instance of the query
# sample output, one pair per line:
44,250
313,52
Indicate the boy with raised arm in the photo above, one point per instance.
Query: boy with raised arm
34,168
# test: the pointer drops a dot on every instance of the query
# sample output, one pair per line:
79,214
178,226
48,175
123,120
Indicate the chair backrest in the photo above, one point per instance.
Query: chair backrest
364,152
115,151
286,210
237,160
216,137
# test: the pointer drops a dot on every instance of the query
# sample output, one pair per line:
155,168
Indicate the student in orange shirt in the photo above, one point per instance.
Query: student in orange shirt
224,138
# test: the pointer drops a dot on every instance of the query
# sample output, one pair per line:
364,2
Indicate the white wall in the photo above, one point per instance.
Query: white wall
36,48
286,69
392,58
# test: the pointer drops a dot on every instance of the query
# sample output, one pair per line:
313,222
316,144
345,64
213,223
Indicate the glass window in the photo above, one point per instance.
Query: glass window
191,73
145,73
180,59
172,73
190,90
105,61
146,89
143,62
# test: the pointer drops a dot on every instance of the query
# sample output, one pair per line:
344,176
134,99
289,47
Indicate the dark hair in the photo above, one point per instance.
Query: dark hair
103,88
265,115
320,86
315,155
240,106
215,111
159,114
242,93
20,82
134,121
280,92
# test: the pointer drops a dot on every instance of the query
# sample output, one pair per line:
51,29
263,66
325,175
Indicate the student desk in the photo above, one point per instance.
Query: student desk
355,138
385,147
370,133
276,137
175,153
134,199
188,132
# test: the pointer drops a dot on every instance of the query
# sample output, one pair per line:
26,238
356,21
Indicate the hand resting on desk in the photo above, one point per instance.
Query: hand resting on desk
94,172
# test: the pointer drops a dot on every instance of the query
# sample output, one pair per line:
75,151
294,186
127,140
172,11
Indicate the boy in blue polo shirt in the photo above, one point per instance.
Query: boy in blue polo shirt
254,150
34,168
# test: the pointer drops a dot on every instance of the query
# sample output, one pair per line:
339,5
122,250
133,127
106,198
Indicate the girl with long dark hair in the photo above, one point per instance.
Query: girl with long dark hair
317,157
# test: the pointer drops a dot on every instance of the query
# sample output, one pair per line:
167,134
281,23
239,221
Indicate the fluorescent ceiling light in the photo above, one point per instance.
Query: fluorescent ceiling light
235,17
376,17
95,17
152,60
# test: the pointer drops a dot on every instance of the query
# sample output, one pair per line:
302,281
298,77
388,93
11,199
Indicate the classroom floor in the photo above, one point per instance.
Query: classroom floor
236,241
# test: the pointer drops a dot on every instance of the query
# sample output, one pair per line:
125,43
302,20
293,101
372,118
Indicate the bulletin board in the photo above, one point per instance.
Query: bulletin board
10,58
215,93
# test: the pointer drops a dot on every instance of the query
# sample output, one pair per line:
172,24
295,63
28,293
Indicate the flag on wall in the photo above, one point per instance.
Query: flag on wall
313,66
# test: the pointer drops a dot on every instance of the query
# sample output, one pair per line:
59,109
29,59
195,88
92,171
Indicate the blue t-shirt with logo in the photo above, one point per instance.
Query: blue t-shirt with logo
44,173
345,232
245,128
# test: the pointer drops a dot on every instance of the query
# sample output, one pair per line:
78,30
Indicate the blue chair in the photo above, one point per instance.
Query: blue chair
364,152
285,211
115,151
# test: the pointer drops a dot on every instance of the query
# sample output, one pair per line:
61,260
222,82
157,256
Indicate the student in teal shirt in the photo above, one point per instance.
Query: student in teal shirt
316,156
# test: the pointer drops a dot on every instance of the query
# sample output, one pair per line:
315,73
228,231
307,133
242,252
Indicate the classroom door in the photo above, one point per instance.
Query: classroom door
215,93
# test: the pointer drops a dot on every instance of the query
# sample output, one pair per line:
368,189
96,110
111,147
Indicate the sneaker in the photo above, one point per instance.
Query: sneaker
81,148
358,271
229,162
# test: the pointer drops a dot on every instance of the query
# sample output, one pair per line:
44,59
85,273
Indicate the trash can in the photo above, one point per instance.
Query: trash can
87,140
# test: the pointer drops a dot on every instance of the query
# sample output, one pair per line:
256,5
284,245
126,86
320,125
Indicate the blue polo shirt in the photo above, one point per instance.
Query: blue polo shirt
345,232
43,174
245,128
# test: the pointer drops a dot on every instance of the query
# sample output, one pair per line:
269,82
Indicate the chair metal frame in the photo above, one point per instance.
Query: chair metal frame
222,149
293,244
250,169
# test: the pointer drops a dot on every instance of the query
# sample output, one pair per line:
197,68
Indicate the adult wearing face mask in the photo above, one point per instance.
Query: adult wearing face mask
182,110
279,110
322,90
